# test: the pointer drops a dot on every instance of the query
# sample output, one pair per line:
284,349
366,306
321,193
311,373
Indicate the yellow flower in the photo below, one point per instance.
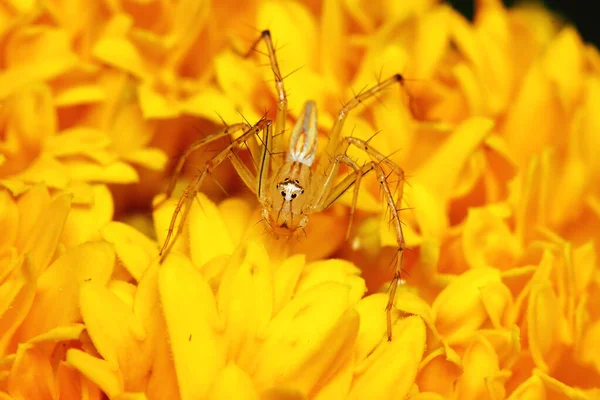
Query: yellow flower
496,128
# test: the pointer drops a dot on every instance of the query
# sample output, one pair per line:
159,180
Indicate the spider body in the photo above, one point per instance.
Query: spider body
291,189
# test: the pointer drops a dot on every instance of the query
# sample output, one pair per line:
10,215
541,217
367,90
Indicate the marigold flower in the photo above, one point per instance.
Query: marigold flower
496,128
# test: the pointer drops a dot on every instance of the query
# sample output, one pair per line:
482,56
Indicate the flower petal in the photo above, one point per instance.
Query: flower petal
245,300
133,249
292,355
193,326
31,376
233,383
62,281
104,374
116,332
458,310
391,369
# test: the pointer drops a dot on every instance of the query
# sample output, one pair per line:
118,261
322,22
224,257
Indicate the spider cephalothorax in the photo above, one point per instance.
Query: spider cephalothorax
292,188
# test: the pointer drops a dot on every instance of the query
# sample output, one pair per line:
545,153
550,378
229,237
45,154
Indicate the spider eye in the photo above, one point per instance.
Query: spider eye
296,181
294,196
283,194
302,192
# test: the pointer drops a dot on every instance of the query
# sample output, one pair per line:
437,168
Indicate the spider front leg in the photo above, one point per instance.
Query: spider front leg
335,136
227,131
279,87
254,183
330,193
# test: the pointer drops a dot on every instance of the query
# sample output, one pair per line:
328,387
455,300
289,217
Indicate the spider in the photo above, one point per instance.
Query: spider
290,190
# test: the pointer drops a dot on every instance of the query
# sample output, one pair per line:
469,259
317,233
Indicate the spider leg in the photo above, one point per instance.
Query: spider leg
331,193
336,131
279,87
193,147
195,185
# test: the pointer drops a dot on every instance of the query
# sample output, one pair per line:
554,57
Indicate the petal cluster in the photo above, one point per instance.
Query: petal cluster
496,127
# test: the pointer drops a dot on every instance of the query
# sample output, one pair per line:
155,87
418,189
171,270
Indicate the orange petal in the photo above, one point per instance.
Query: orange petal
31,376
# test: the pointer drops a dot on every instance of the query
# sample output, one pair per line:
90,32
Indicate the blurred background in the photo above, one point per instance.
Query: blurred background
580,13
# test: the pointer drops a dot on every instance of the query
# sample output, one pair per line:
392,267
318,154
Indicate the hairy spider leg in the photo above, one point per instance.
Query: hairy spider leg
336,131
193,147
194,186
282,103
354,178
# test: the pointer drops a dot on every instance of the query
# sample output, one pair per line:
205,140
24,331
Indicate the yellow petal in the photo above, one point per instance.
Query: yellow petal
16,296
150,158
31,205
81,94
545,325
9,221
35,55
85,221
458,310
47,170
245,301
285,280
339,271
33,117
88,142
156,105
209,236
121,53
488,241
102,373
564,64
542,386
46,232
134,249
236,214
61,281
506,343
292,355
233,383
117,172
438,374
480,368
452,156
31,376
162,380
391,369
193,326
61,333
116,332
